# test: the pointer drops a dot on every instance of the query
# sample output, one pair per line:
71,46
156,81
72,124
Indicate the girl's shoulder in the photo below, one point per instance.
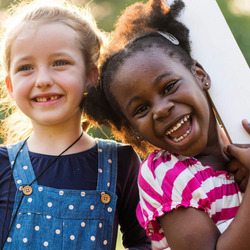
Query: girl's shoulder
162,164
159,157
128,159
125,152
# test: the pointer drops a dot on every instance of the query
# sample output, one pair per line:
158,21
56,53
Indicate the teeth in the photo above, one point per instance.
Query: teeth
183,136
178,125
41,99
45,99
54,98
169,132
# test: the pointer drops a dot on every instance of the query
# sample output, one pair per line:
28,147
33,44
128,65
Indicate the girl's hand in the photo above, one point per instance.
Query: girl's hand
240,171
246,126
240,153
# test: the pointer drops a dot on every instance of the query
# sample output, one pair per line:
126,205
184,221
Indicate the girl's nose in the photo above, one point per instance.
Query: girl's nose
43,79
162,109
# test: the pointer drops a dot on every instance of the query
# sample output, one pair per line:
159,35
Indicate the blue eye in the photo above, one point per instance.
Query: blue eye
60,63
25,68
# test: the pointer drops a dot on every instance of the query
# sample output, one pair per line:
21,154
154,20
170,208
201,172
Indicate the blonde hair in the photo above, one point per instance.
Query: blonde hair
15,125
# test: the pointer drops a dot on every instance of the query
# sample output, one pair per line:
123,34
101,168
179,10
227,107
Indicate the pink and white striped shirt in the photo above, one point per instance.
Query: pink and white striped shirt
167,181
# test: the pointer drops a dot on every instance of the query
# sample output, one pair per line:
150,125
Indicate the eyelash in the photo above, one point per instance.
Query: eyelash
139,109
167,88
61,63
56,63
24,68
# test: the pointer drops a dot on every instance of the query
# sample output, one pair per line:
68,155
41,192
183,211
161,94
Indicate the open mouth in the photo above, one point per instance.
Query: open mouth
46,99
180,130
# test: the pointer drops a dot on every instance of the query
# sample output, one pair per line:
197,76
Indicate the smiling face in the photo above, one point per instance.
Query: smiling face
164,101
47,73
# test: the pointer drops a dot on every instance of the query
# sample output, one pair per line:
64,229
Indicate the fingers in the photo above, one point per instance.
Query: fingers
246,125
240,173
233,166
243,184
241,154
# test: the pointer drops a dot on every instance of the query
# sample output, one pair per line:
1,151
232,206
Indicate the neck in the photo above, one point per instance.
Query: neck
213,154
53,140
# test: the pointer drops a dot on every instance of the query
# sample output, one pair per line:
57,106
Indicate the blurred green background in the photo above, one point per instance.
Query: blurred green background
236,13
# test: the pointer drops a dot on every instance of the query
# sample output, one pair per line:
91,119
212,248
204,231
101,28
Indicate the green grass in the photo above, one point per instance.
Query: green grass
119,245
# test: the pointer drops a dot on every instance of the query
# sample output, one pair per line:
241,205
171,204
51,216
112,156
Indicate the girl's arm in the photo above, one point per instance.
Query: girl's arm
193,229
133,235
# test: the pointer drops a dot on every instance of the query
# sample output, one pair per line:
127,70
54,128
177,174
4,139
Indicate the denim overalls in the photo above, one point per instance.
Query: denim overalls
52,218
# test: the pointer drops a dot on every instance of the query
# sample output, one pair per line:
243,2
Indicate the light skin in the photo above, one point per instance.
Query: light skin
155,93
47,80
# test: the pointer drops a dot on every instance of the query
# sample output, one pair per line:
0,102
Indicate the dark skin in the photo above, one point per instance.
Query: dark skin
236,236
152,109
235,167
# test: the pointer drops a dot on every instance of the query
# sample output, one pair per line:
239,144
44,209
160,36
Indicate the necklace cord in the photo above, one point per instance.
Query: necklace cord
57,158
11,174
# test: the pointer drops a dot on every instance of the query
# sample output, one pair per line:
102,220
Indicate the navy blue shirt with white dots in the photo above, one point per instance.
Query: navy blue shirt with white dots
79,172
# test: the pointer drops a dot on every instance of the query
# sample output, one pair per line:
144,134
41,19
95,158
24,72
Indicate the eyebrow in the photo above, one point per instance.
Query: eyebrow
158,78
155,83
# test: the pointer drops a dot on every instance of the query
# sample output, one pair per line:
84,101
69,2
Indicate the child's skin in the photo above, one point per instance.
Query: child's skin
50,60
47,83
236,167
143,98
155,93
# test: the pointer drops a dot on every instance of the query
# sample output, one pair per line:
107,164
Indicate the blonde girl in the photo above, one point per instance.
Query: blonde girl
59,187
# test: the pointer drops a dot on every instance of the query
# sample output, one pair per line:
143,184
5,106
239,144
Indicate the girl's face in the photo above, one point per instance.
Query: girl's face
164,101
47,73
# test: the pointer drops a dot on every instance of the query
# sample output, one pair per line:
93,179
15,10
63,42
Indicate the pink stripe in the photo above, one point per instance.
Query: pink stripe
139,215
154,163
208,172
225,214
191,186
139,212
224,190
148,189
168,181
203,175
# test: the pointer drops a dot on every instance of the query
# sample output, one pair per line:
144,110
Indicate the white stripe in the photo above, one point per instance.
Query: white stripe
163,168
198,194
180,184
229,201
144,206
149,178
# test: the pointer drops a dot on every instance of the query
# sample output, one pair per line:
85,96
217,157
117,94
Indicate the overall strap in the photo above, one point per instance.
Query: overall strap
107,165
23,172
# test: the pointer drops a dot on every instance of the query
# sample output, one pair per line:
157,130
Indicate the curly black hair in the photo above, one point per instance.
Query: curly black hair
136,30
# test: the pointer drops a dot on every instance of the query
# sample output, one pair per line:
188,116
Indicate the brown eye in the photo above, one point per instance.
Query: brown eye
169,87
141,109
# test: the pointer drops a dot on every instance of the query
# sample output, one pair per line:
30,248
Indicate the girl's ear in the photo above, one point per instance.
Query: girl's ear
92,78
201,75
9,87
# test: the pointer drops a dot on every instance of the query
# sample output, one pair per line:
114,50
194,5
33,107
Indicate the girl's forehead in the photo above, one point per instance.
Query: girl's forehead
30,28
146,59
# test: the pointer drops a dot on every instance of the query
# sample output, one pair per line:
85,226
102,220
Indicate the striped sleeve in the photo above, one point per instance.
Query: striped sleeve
165,183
